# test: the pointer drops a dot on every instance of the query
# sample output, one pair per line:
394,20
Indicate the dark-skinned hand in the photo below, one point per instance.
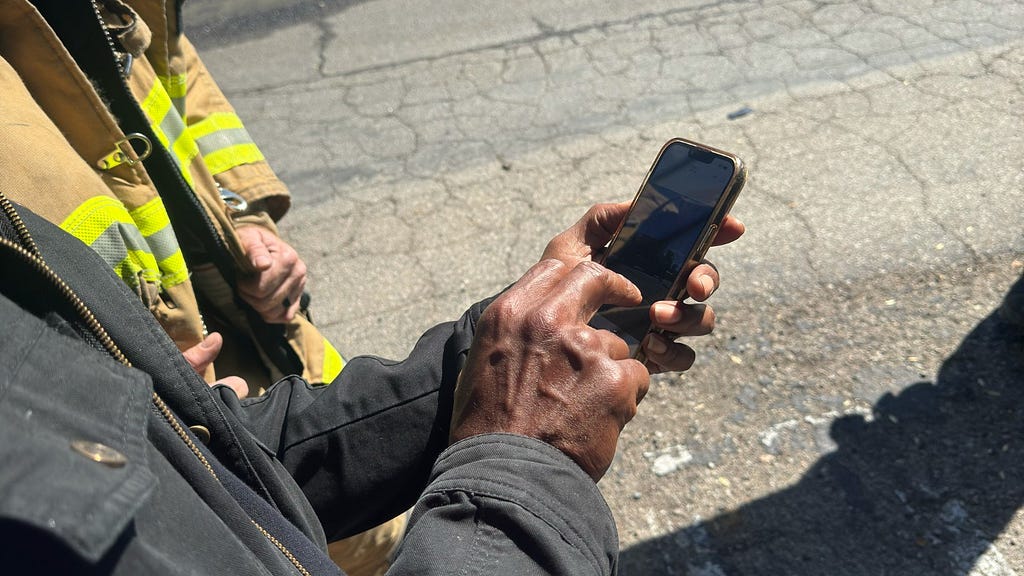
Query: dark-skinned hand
585,240
536,368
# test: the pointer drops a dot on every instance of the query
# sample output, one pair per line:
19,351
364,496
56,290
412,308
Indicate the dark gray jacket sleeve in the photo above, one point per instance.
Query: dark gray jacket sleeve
368,445
505,504
362,447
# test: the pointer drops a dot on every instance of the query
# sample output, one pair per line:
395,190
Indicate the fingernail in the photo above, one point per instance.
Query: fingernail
207,343
656,345
666,313
708,284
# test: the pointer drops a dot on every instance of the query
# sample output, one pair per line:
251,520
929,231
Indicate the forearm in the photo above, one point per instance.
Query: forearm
504,504
362,447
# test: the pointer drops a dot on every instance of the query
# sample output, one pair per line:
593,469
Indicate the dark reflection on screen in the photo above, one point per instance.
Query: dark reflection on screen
658,237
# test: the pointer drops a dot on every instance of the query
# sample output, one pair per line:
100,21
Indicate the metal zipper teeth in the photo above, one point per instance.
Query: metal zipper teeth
106,34
101,334
180,431
90,320
108,343
161,406
86,315
19,226
284,550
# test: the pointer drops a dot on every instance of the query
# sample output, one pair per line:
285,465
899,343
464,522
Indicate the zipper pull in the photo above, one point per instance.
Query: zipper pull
124,152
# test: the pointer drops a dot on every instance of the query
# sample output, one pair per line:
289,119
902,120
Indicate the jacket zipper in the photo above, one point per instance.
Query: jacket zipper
32,256
219,242
94,325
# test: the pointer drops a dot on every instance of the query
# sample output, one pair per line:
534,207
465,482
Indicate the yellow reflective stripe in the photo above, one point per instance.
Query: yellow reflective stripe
155,225
170,129
174,270
156,105
185,150
228,158
163,243
151,217
134,243
92,218
214,123
224,142
104,224
333,362
176,86
135,264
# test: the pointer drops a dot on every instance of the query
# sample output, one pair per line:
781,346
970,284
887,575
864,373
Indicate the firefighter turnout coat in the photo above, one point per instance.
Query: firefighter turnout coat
170,171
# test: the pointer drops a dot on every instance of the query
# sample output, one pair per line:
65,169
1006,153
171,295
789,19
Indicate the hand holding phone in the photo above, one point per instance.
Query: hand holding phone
673,220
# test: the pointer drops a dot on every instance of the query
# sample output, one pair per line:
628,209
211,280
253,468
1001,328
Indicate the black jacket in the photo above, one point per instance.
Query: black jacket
99,472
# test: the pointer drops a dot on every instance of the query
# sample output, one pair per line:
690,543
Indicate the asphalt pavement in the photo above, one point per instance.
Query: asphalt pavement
859,409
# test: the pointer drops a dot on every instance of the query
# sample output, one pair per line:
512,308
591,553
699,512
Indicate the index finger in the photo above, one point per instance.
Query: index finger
589,286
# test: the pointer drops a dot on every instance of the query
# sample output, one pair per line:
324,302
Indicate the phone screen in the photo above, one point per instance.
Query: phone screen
659,237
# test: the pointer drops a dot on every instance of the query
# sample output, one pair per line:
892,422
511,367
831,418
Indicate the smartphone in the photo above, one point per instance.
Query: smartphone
673,221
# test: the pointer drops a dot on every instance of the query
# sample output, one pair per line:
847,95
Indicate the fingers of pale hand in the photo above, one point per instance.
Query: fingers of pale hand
295,300
203,354
237,384
286,266
276,292
254,240
284,302
730,230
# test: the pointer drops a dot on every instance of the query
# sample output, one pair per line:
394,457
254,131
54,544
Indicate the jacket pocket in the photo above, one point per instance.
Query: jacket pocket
72,436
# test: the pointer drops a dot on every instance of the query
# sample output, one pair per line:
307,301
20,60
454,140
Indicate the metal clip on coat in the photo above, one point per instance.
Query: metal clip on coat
235,203
124,152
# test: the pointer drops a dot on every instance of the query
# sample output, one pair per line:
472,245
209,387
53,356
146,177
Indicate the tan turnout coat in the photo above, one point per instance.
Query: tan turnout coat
119,205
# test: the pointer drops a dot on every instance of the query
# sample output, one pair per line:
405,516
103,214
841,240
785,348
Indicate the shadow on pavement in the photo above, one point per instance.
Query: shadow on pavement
212,23
921,488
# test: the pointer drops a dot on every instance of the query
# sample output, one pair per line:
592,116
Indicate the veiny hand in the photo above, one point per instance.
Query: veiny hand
203,354
275,291
537,369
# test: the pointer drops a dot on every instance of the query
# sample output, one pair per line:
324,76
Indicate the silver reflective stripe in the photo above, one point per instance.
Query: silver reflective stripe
224,138
113,244
179,105
173,128
163,243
